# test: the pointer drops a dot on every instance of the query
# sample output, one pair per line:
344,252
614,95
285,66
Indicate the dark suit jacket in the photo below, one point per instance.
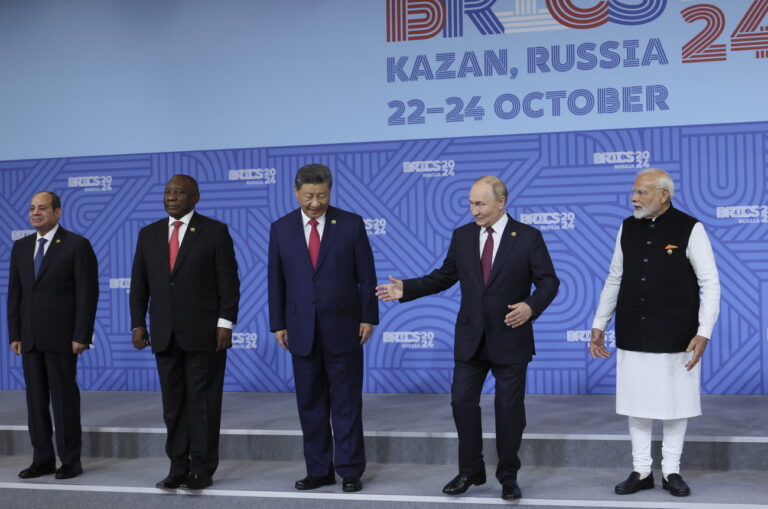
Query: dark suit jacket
522,260
60,306
203,287
339,294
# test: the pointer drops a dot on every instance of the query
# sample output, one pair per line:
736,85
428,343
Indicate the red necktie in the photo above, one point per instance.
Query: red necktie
314,242
173,246
487,256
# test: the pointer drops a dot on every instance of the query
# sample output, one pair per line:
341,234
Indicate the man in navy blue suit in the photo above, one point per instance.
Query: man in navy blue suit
322,308
496,260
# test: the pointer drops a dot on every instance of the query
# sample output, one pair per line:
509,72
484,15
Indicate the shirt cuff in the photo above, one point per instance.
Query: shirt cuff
705,332
597,323
226,324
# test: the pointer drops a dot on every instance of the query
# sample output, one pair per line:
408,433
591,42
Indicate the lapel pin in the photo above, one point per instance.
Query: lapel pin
58,241
333,221
670,248
513,234
192,229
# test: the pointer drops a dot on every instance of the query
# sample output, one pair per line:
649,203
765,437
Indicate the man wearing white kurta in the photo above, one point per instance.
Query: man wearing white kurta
665,291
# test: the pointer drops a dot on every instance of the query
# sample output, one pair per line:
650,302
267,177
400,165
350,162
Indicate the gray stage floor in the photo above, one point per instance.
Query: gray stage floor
574,451
733,416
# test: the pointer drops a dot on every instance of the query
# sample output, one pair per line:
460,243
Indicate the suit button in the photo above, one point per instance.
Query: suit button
653,225
642,299
171,283
645,260
642,318
648,242
641,279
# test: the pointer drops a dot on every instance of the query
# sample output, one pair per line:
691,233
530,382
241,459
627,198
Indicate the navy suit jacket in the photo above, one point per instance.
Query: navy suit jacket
339,294
59,307
188,302
522,260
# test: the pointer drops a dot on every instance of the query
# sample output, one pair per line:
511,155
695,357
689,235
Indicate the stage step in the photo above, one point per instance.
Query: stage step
563,431
129,483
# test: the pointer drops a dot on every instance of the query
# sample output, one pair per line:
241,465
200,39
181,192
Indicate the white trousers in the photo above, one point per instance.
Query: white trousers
640,432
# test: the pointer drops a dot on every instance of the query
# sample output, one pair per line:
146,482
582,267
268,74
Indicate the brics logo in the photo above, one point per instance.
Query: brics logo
744,213
411,20
584,336
410,339
254,175
91,183
624,159
375,226
442,168
245,340
550,220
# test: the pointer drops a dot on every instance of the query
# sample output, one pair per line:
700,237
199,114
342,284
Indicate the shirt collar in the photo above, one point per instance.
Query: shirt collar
49,236
498,226
305,218
185,219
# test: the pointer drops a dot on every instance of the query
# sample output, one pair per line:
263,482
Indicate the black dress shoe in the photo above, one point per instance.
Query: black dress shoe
510,490
351,484
38,469
69,471
310,483
633,484
198,481
675,485
462,482
173,481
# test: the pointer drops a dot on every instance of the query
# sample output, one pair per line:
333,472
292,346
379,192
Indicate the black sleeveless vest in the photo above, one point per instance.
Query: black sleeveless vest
658,304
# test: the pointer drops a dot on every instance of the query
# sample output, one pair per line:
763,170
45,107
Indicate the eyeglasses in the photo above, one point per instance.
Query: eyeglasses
643,193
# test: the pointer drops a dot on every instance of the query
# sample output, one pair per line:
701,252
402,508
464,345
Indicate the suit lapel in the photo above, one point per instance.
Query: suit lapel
508,239
329,231
26,263
53,250
194,229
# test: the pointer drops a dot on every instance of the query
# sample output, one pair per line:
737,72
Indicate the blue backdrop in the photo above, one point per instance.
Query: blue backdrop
408,102
573,186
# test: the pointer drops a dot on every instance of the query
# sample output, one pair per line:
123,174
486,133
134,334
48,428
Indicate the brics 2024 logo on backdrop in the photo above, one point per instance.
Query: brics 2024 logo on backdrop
423,340
624,159
550,220
744,213
91,182
410,20
254,176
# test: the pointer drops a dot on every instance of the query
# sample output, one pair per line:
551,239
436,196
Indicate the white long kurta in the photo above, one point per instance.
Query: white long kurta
657,385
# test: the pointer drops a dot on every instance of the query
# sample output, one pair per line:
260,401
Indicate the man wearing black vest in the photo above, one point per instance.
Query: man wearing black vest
665,291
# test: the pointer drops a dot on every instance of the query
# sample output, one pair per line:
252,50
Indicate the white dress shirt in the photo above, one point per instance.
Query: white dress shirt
49,237
308,227
498,231
183,230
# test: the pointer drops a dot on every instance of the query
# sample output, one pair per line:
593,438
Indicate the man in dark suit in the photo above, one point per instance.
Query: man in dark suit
53,291
185,271
496,260
322,308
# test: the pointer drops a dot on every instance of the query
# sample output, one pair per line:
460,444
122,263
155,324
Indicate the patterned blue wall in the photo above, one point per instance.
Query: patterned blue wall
574,186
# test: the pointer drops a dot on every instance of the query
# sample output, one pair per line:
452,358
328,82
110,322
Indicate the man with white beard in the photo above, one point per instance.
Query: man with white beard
664,289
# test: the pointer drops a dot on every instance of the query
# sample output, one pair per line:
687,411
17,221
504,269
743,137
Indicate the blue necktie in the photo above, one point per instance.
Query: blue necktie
39,255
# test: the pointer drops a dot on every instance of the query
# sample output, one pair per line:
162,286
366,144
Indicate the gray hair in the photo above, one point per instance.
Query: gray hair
663,180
